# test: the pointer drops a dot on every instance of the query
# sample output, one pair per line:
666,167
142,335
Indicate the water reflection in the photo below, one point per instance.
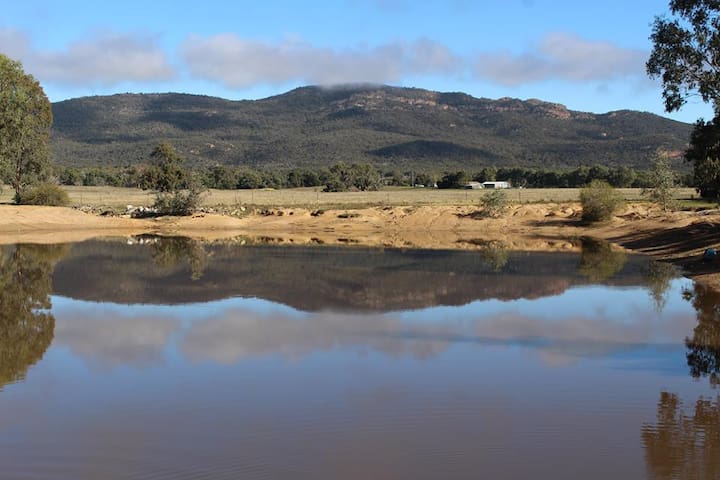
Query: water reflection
194,360
169,252
26,325
703,354
681,446
495,253
352,279
580,324
658,276
599,260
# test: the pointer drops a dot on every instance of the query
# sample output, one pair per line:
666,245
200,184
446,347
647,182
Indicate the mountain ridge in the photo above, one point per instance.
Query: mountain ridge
391,127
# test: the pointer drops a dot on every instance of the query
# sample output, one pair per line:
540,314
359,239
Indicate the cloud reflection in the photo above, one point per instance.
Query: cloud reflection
233,331
112,341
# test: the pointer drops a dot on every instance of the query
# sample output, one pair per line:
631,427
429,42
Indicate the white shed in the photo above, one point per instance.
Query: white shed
496,184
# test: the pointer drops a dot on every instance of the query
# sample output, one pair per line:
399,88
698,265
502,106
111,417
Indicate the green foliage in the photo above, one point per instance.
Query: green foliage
704,153
43,194
662,183
685,58
178,203
167,174
341,177
177,191
453,180
599,201
227,177
25,121
684,54
494,203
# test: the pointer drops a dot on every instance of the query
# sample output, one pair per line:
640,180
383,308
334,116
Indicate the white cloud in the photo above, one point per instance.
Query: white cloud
105,58
562,56
109,58
239,63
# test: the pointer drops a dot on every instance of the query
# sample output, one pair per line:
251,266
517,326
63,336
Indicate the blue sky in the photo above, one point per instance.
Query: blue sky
587,55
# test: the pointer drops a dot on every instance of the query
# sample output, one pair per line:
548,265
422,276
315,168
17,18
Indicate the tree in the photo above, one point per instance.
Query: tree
662,182
167,174
365,177
177,192
684,54
704,153
453,180
685,57
25,121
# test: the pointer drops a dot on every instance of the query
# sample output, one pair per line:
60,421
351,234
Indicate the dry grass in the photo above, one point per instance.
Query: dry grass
311,197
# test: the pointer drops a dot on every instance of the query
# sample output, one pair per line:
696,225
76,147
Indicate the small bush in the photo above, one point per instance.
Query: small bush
599,201
495,203
43,194
180,203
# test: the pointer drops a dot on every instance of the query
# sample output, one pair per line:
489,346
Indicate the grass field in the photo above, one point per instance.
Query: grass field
310,197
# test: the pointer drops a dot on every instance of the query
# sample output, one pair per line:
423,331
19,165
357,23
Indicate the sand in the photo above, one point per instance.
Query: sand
679,237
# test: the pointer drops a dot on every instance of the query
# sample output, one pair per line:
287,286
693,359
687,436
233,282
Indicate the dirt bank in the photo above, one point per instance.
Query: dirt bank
679,237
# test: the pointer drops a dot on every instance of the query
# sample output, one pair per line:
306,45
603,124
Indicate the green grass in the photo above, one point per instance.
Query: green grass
313,198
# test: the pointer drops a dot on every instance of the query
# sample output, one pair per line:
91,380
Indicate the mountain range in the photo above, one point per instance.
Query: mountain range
391,127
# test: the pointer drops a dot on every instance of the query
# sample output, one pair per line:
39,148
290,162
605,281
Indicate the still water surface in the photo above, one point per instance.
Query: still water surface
166,358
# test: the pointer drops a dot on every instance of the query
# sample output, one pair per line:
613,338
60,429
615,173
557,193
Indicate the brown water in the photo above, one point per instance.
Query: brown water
172,359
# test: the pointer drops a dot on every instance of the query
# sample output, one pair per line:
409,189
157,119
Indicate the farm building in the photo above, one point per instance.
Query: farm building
473,185
496,185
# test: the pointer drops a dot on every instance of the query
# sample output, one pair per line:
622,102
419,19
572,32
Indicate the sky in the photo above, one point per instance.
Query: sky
589,56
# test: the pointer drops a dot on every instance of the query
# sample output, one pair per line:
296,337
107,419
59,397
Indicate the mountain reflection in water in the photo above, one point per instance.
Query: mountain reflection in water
176,271
168,358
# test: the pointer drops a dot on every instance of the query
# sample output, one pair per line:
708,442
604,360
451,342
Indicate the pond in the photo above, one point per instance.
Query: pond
152,357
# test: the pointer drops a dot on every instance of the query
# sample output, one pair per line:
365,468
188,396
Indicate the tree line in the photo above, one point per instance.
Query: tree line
363,176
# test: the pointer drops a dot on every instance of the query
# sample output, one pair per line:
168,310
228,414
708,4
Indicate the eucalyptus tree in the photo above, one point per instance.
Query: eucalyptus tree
25,122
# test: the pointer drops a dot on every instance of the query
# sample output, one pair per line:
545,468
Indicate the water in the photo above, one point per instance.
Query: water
149,358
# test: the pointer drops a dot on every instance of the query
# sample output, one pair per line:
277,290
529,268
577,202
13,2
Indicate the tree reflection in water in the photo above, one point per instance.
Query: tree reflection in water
679,446
658,277
703,355
26,326
599,261
168,252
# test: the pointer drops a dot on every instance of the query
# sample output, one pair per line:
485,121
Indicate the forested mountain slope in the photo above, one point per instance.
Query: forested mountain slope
390,127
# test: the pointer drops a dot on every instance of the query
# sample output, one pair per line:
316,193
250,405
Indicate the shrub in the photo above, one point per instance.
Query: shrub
43,194
599,201
495,203
180,203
